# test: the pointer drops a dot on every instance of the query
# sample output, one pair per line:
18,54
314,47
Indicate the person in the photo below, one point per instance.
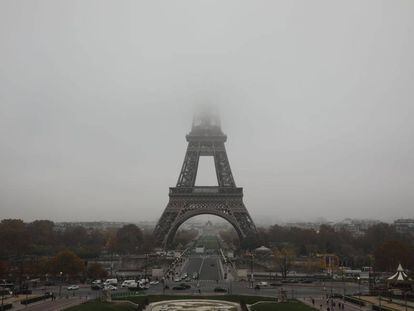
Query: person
313,302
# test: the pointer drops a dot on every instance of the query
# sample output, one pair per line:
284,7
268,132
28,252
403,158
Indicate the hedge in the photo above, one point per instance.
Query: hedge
35,299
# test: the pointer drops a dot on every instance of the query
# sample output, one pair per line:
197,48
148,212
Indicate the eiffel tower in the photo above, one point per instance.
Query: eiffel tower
187,200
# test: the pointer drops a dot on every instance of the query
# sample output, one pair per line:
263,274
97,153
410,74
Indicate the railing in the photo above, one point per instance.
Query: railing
127,294
206,190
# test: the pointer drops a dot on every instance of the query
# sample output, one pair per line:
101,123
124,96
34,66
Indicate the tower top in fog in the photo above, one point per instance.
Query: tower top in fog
206,122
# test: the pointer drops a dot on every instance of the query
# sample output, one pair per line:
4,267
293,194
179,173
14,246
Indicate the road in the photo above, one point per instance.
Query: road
207,267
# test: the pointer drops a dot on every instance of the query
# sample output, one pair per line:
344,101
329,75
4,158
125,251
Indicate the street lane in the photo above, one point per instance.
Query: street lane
210,269
193,265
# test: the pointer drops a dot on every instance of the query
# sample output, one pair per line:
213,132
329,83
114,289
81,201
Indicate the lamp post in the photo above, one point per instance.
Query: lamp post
251,269
343,283
27,290
359,291
60,284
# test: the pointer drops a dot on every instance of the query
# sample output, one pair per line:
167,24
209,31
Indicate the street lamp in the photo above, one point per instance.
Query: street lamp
27,290
359,291
60,283
251,269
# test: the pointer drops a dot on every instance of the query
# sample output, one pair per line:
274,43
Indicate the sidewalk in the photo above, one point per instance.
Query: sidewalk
48,305
320,304
395,304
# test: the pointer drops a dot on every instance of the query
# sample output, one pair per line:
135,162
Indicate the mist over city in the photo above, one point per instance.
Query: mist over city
317,110
261,151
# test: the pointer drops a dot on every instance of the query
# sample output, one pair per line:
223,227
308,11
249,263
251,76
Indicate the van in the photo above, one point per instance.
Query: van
127,283
113,282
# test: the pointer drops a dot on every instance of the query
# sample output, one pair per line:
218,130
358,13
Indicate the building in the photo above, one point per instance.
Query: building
357,227
404,226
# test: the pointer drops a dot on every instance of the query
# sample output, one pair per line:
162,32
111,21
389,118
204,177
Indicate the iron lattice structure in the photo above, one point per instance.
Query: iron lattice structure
187,200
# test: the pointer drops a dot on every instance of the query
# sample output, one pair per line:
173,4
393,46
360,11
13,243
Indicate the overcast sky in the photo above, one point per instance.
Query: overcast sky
316,97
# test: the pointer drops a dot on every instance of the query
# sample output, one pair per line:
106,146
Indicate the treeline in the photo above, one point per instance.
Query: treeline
381,245
40,238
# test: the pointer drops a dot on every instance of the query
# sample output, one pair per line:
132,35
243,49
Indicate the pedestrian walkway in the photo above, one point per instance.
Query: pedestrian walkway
323,304
48,305
395,304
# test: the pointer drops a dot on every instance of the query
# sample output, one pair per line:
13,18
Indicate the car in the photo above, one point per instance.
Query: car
96,286
154,282
257,287
179,287
186,286
5,292
220,290
127,283
110,287
113,282
263,284
177,279
276,284
73,287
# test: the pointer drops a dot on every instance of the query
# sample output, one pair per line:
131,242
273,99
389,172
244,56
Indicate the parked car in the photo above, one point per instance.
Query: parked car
276,284
96,286
154,282
220,290
73,287
128,283
263,284
113,282
186,286
179,287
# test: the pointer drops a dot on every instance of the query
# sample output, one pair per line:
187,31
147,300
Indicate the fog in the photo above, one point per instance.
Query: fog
316,98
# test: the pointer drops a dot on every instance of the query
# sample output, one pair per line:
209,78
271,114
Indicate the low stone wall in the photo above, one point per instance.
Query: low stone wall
197,304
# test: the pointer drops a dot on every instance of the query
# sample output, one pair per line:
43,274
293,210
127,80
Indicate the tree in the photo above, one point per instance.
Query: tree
68,263
183,237
4,268
14,237
283,258
96,271
128,239
74,237
391,253
43,236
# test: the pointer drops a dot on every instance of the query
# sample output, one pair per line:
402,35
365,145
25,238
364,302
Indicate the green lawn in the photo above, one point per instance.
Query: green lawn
287,306
101,306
